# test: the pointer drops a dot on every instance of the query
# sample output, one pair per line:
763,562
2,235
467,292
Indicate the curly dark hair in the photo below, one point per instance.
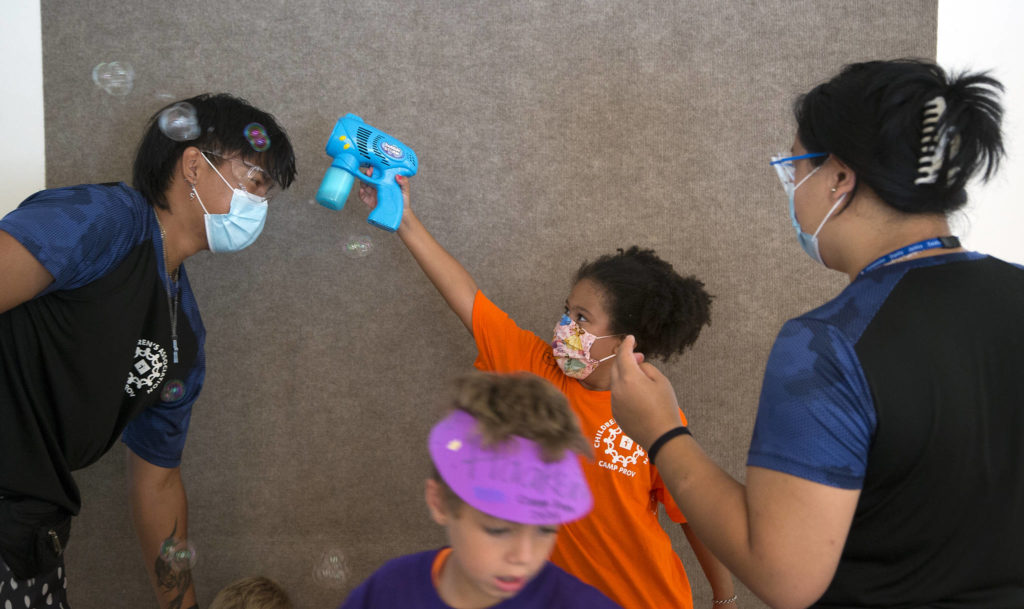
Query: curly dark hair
647,298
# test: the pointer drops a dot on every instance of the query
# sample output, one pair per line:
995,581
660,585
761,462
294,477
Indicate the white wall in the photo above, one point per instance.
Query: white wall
22,158
977,34
985,34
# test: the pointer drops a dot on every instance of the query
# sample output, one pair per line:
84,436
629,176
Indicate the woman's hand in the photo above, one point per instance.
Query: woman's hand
643,400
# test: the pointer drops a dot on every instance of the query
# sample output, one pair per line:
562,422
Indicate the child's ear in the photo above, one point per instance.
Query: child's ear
435,503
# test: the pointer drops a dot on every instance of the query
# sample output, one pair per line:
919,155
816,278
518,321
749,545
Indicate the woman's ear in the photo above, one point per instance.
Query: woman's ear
191,161
844,179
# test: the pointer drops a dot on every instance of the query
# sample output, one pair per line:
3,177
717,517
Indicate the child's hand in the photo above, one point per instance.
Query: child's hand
368,192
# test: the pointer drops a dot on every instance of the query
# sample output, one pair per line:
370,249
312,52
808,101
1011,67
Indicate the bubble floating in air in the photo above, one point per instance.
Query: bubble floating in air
116,77
257,136
331,571
179,122
358,246
178,554
172,391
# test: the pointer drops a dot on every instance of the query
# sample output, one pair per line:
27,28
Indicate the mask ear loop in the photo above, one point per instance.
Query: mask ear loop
829,214
214,167
608,357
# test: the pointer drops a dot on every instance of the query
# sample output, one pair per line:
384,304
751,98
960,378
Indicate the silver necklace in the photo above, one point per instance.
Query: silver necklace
172,279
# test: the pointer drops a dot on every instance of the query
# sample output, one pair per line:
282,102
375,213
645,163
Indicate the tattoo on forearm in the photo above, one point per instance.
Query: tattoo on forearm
173,577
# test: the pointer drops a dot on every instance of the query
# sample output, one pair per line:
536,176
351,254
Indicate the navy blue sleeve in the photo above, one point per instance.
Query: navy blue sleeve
158,434
816,418
79,233
360,597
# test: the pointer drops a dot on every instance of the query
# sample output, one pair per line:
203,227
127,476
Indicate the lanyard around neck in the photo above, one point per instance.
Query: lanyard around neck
913,248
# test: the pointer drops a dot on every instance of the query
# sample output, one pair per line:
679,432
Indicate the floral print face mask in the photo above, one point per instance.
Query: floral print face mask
571,348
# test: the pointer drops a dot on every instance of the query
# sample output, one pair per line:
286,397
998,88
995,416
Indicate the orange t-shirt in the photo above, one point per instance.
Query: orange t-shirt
619,547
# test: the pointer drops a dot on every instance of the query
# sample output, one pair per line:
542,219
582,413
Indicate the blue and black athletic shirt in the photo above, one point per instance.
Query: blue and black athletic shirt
909,387
91,358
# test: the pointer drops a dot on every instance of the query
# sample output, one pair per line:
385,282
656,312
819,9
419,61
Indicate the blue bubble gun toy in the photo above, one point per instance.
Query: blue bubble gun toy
354,143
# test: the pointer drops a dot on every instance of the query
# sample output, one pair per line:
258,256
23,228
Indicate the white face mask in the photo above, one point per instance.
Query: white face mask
238,228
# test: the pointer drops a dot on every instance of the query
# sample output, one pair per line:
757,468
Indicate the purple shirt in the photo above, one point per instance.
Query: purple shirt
406,583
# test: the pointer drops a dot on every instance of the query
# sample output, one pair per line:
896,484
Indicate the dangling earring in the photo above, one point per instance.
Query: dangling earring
194,195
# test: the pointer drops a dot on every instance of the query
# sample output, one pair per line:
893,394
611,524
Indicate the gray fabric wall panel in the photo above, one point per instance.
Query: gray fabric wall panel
547,133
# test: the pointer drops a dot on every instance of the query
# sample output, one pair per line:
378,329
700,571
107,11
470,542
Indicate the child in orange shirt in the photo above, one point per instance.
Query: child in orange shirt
620,547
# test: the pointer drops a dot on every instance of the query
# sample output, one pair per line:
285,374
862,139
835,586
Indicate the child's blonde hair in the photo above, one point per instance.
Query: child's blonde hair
252,593
518,404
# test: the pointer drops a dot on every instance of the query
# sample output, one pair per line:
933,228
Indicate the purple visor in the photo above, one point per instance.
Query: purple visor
509,480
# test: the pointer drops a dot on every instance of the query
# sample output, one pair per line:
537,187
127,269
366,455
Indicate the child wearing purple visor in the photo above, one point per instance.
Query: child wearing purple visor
505,478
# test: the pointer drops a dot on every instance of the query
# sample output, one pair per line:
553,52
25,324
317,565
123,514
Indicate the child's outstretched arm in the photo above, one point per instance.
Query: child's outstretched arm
447,274
718,575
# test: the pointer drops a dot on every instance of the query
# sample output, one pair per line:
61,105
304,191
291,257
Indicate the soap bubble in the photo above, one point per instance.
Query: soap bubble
116,77
358,246
179,122
179,554
257,136
172,392
331,571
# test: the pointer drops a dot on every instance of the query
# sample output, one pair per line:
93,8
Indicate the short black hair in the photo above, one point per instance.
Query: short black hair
647,298
222,119
872,115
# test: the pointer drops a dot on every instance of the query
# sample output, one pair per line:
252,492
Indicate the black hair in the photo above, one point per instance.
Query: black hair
646,297
222,119
882,119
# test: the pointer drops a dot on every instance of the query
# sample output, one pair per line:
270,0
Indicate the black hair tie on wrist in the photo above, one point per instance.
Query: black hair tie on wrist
682,430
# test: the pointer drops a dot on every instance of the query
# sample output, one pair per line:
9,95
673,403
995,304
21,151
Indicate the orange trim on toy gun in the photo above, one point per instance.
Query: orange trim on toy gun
354,144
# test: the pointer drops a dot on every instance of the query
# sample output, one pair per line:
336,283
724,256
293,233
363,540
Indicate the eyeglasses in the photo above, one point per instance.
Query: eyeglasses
786,169
249,177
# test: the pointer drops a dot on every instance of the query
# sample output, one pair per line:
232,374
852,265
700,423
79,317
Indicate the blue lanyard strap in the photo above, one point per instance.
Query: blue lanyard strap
913,248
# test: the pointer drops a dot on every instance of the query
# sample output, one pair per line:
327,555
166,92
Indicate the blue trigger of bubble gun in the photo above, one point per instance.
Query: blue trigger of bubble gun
353,144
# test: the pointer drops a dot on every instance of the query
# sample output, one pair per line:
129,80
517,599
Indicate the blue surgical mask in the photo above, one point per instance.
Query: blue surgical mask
238,228
809,243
